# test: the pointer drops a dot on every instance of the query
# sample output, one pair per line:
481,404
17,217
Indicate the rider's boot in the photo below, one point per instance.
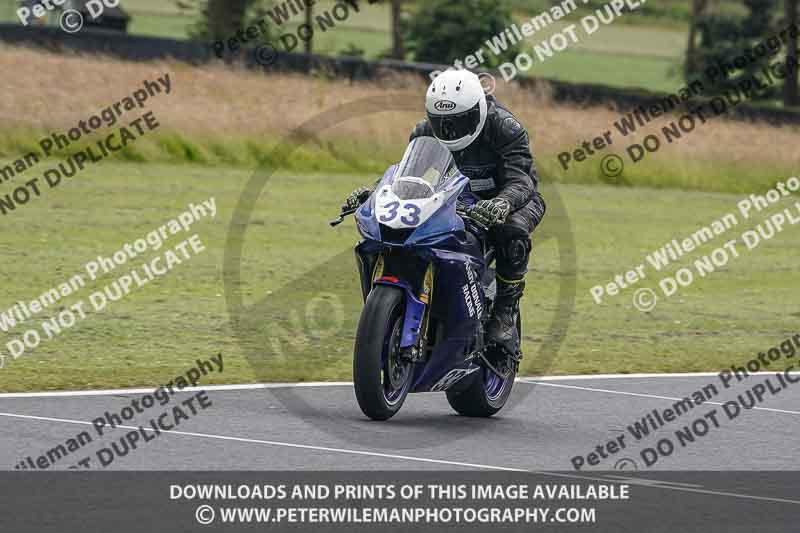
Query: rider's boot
502,329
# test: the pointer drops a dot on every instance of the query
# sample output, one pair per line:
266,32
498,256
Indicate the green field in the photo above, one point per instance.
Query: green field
293,261
620,55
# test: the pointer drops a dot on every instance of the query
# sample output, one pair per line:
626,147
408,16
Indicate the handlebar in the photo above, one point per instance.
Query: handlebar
346,212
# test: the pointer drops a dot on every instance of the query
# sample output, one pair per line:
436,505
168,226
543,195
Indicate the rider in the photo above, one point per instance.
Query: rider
491,148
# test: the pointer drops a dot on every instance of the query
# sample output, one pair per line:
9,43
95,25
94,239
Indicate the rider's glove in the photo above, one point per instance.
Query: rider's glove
356,198
490,212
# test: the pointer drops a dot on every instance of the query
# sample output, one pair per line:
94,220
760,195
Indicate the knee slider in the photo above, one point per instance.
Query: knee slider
515,252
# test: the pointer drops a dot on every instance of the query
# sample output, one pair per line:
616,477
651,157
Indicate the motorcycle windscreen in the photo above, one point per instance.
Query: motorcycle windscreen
429,163
416,197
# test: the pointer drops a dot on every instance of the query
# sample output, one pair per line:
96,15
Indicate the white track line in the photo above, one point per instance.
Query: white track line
256,386
638,376
275,443
611,478
109,392
643,395
624,376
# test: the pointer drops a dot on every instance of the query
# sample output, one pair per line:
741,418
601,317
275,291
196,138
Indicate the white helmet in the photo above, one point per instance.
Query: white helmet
456,107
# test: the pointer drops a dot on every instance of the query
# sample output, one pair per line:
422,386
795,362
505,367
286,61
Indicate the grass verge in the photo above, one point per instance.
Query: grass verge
345,156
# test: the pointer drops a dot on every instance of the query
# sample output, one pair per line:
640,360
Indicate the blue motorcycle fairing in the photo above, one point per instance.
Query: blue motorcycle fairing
365,215
458,264
459,313
443,222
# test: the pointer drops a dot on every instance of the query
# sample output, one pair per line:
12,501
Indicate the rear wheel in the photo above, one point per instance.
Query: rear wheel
484,397
487,393
381,378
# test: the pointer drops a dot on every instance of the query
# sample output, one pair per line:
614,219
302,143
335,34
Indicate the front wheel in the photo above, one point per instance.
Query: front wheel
381,378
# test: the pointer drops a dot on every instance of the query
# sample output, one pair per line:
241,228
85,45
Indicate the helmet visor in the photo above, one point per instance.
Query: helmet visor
455,127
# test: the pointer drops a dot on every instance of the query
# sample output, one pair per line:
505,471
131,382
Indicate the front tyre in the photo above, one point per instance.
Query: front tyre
484,397
381,378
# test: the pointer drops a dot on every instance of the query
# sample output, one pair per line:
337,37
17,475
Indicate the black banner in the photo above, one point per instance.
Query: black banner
116,502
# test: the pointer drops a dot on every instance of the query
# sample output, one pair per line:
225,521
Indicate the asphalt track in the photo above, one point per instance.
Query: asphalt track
319,427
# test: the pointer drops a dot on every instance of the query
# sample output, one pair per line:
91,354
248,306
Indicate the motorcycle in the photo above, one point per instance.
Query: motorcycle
428,290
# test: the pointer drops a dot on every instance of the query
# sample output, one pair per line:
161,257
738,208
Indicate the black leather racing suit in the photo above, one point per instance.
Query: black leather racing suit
499,164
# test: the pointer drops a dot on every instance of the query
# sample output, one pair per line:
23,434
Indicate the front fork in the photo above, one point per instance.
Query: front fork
416,320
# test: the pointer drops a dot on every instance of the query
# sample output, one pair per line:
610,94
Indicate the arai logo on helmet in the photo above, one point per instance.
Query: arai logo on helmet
444,105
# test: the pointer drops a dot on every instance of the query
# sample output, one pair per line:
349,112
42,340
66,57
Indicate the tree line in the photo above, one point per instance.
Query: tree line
437,31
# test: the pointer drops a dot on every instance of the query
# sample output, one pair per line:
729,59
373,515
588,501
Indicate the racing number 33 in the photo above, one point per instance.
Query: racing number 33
411,218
